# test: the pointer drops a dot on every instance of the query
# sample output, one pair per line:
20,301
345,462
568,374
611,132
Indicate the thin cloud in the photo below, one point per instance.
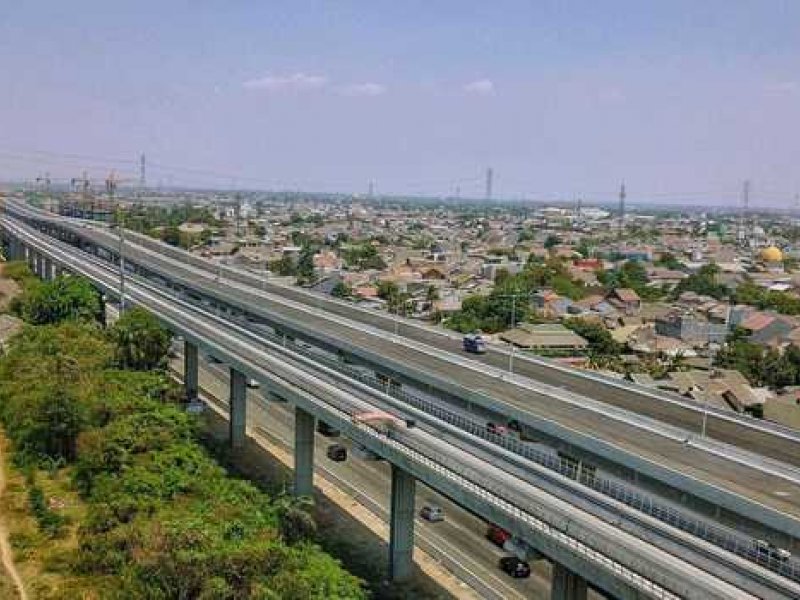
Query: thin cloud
480,87
363,89
296,82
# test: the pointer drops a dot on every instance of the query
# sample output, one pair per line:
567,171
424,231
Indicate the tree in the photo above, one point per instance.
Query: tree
704,282
431,294
141,342
341,290
551,241
63,298
296,523
599,338
669,261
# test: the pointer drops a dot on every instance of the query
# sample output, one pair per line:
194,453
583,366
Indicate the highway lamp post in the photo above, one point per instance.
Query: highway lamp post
513,323
121,228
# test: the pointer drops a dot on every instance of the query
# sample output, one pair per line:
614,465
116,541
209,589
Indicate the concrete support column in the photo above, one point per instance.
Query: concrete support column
238,409
401,525
48,269
190,370
303,452
567,585
38,262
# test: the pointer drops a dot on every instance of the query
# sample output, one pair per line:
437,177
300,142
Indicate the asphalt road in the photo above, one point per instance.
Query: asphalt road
461,536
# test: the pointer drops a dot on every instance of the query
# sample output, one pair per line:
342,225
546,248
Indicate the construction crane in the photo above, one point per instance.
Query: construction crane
84,185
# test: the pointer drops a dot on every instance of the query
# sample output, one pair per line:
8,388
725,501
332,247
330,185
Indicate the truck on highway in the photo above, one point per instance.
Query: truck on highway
474,343
383,422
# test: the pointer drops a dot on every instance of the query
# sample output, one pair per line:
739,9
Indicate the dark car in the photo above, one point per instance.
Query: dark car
515,567
337,453
327,430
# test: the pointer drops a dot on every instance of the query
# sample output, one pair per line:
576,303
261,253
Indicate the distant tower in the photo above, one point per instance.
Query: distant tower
489,178
142,172
742,234
621,228
371,192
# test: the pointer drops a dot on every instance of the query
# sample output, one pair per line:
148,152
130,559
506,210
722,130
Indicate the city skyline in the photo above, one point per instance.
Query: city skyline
682,102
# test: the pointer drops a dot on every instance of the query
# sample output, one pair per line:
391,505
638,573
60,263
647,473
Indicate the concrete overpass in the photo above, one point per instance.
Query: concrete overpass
43,252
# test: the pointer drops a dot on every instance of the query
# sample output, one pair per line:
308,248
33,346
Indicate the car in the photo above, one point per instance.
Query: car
474,343
432,513
768,551
213,359
497,535
327,430
517,568
195,407
337,453
495,428
253,384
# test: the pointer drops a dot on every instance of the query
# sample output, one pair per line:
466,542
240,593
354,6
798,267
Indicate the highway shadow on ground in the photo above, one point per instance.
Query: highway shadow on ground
360,550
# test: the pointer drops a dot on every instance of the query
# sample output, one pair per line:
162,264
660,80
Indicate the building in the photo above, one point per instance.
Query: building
625,300
548,337
691,328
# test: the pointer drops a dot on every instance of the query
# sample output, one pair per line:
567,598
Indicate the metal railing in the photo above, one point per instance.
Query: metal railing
724,538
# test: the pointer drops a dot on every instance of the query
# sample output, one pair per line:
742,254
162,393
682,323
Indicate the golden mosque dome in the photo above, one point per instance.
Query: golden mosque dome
771,254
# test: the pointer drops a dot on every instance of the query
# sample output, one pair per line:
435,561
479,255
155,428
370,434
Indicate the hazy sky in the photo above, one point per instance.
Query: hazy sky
682,99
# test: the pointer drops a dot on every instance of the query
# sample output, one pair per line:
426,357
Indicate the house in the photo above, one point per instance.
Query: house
327,262
767,328
690,328
550,337
723,388
625,300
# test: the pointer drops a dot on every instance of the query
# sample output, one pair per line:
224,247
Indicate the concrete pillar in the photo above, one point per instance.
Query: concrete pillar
39,265
48,269
567,585
238,409
303,452
401,525
190,370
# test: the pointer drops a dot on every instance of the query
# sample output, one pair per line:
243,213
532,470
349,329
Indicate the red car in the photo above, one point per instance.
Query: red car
497,535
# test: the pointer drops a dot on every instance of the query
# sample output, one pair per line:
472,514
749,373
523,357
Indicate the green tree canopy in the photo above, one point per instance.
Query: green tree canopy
64,298
141,342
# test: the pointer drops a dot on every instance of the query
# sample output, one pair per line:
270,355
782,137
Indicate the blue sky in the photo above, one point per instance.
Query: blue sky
681,99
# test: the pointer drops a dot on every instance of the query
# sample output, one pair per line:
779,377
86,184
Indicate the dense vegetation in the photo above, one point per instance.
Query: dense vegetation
632,274
761,365
703,282
509,300
162,519
755,295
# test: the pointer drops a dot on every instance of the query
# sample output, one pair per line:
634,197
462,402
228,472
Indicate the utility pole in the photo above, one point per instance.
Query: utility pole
238,215
621,230
111,188
489,183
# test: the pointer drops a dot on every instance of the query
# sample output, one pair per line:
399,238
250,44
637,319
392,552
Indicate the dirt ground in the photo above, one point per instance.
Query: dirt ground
8,289
11,585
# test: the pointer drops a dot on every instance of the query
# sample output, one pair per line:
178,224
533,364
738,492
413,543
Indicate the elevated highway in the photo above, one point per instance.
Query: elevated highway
755,489
471,461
